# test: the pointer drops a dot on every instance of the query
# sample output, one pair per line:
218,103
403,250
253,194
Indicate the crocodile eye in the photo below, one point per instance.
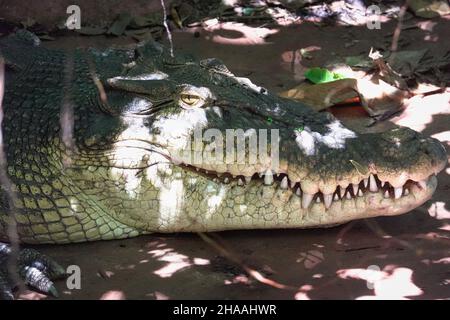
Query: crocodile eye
192,97
190,101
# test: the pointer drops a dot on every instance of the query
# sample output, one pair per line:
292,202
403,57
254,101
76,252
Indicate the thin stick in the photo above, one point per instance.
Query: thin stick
253,273
398,29
169,34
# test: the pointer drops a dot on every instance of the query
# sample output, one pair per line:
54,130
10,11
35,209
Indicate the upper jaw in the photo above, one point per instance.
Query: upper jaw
308,179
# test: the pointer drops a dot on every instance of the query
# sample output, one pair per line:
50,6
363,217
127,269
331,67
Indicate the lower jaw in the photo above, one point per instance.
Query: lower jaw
371,204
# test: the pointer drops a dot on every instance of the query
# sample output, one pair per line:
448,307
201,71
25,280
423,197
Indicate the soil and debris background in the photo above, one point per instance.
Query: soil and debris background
324,54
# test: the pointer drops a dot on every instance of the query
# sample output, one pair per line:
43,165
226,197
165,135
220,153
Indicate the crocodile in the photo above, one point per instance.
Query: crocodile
104,144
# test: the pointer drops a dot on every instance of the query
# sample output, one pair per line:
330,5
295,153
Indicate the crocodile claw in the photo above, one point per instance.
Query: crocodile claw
35,269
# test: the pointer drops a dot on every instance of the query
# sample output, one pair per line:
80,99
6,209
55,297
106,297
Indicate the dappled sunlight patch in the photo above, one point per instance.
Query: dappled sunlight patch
427,25
311,258
239,279
214,200
292,60
249,35
302,294
170,202
160,296
442,136
31,295
176,261
105,274
438,211
126,267
159,253
200,261
420,110
113,295
390,283
431,38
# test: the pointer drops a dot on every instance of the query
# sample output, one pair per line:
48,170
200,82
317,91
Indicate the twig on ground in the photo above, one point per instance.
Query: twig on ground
253,273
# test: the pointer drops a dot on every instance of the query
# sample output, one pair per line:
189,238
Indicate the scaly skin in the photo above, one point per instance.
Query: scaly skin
95,160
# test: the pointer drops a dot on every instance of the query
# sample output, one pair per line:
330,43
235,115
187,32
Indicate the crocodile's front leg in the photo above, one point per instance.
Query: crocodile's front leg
34,268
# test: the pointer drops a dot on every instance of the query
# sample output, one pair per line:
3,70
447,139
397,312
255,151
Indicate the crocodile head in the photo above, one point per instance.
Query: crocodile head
186,145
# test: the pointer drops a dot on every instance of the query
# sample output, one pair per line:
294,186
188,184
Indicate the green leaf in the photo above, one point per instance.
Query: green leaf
300,129
248,11
322,75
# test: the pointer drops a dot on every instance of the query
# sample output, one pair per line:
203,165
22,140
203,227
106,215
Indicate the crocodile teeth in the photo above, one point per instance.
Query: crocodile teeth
268,178
422,184
206,171
226,180
306,200
248,179
336,197
317,200
284,183
341,192
197,169
398,192
348,195
327,199
386,194
355,188
298,192
365,182
240,182
406,192
292,184
360,194
372,184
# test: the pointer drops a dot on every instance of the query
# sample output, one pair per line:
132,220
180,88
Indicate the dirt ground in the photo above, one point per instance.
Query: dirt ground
388,257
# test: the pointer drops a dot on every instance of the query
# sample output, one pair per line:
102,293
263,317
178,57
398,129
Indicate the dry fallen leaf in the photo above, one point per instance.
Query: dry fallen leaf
323,95
429,9
380,99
